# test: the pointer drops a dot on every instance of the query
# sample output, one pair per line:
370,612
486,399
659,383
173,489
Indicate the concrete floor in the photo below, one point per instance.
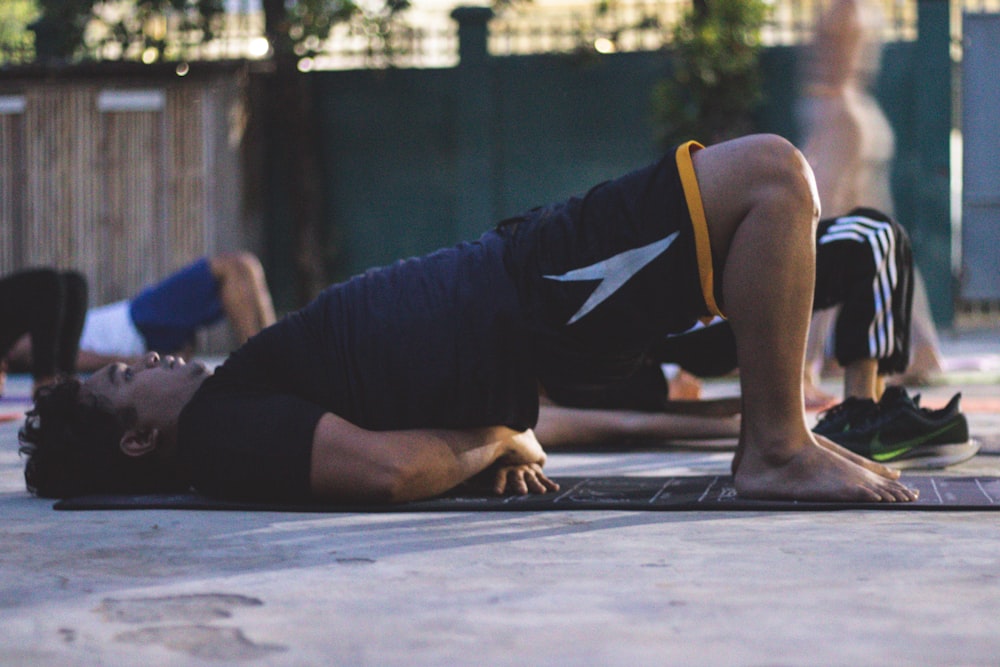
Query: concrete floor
553,588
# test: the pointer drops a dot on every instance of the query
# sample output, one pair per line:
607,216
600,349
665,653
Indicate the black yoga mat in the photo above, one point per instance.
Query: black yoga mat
681,493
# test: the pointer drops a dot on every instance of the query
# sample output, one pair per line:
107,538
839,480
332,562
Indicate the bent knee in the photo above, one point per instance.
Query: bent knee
783,172
764,173
238,263
790,172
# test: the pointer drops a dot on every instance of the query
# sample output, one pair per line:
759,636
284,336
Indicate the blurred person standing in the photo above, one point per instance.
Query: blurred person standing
850,145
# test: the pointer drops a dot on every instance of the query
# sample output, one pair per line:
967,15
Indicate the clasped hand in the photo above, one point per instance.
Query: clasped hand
519,471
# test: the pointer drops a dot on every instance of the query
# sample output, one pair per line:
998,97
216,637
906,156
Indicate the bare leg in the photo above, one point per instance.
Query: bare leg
761,206
861,379
560,426
243,292
925,351
87,361
684,387
819,331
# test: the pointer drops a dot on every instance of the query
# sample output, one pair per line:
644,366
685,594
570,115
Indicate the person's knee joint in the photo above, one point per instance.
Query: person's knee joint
239,264
782,172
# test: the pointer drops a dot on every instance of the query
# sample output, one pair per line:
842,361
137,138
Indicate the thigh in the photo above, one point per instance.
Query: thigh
736,175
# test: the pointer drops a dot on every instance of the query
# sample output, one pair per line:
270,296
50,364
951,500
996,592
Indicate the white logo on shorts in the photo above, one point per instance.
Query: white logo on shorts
613,272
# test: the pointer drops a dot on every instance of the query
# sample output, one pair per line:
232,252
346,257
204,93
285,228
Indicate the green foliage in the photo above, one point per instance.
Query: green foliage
17,43
77,29
142,30
59,30
716,79
165,29
384,27
309,22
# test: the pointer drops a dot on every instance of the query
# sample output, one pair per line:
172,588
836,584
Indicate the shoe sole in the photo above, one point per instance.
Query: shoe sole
936,456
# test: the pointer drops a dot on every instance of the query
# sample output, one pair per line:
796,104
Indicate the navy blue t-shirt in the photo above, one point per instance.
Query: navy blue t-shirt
434,341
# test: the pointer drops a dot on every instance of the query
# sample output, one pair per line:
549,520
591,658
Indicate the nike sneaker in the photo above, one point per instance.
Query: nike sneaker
841,418
901,433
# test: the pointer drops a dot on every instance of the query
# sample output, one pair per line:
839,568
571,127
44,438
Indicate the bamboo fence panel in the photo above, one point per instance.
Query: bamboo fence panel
12,178
124,195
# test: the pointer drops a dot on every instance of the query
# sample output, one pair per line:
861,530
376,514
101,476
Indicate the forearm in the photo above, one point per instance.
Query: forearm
434,461
350,463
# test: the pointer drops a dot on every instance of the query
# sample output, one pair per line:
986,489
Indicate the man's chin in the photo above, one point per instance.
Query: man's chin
198,369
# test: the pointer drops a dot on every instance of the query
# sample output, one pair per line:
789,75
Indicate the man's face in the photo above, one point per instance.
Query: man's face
156,388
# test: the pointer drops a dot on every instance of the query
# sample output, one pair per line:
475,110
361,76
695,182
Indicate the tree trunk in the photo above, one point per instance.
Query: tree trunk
292,135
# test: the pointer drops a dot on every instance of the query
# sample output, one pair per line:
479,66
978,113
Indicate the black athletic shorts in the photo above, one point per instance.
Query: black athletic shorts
605,275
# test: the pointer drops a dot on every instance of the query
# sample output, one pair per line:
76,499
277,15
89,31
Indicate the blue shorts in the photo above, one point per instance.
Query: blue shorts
169,313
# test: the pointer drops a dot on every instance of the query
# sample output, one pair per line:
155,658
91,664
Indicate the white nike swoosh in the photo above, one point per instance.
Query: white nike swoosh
613,272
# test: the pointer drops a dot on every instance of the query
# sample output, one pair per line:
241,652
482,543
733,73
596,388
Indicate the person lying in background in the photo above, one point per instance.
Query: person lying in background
166,316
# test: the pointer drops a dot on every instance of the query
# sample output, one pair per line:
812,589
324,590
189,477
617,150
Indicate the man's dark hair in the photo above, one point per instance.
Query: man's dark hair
72,442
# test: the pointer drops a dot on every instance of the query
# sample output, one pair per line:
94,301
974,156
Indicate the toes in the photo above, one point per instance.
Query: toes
902,493
880,469
869,494
897,493
890,473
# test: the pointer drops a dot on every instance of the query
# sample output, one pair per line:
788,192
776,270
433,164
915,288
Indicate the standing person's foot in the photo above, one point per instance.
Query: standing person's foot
899,432
683,386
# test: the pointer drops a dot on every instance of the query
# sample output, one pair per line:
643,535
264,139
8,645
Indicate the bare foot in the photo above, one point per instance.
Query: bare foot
684,387
814,473
866,463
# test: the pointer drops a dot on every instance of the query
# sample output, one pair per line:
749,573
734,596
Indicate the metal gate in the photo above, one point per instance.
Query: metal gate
980,277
